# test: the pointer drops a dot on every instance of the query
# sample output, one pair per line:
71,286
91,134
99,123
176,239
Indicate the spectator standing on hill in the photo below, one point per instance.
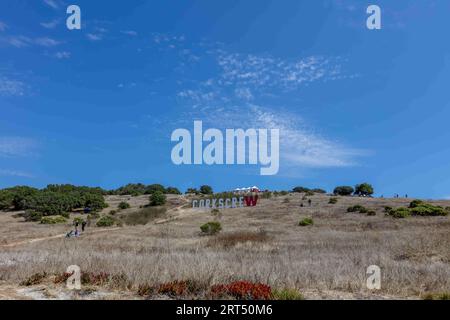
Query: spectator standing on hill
83,225
309,202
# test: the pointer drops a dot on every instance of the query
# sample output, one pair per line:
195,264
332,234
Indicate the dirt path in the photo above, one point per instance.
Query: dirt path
178,210
29,241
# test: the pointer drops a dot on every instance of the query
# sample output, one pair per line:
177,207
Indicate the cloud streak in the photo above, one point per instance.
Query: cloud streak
24,41
236,97
10,87
3,26
16,146
15,173
52,3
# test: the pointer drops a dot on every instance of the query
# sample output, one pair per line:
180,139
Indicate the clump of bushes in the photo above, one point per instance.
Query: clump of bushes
343,190
306,222
437,296
357,208
306,190
136,189
371,213
265,195
242,290
53,220
287,294
333,200
106,221
417,208
53,200
78,220
157,199
363,189
399,213
211,227
205,189
112,212
31,215
124,205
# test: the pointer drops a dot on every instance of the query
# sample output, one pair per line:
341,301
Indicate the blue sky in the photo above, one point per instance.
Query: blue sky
97,106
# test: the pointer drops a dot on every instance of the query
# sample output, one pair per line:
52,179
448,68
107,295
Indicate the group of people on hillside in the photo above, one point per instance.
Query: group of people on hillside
76,232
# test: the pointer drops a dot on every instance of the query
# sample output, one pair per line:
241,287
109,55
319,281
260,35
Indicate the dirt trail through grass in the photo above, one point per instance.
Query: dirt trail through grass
29,241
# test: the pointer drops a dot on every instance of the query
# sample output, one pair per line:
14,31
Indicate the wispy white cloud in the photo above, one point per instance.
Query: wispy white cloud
3,26
255,71
235,96
62,55
94,37
129,33
16,146
50,24
46,42
15,173
53,3
300,145
11,87
23,41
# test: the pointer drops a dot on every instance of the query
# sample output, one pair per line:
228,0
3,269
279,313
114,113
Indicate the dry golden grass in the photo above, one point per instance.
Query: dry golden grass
328,259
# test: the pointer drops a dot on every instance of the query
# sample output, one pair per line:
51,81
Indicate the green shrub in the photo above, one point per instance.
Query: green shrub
53,220
309,193
318,190
284,193
157,199
416,203
387,209
371,213
437,296
94,215
418,208
363,210
333,200
6,199
426,209
205,189
192,191
399,213
343,190
300,189
364,189
106,221
306,222
124,205
286,294
172,190
78,220
357,208
31,215
112,212
265,195
156,187
211,227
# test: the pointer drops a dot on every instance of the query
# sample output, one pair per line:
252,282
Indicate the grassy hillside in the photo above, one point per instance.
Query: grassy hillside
263,244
